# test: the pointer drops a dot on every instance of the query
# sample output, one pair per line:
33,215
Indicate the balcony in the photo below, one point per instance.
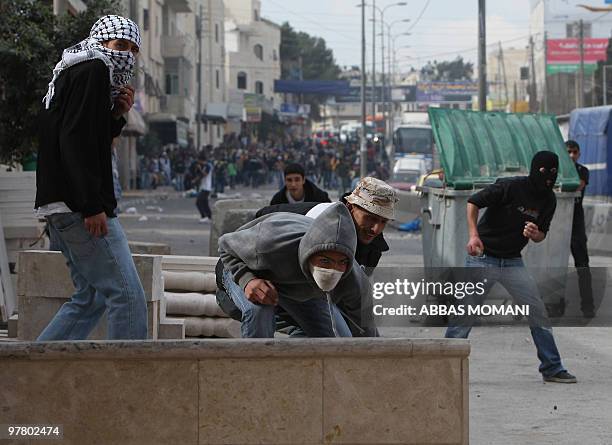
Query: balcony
181,106
177,47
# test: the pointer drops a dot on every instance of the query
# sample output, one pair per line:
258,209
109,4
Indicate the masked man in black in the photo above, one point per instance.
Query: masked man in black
519,209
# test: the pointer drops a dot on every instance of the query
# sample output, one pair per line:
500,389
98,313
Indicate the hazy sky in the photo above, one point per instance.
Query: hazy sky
446,28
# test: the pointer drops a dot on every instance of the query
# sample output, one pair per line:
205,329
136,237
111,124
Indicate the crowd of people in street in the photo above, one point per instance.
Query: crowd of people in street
238,162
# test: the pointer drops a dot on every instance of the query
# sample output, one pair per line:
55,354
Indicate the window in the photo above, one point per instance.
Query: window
274,55
259,87
258,50
256,15
145,19
216,33
242,80
218,130
156,26
172,83
217,79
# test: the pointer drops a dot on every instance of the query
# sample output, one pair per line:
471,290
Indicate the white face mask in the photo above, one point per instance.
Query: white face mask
326,279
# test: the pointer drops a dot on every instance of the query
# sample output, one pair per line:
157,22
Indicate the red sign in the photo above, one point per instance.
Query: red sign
568,50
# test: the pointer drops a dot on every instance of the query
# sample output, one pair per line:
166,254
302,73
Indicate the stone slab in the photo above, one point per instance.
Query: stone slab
265,413
172,329
388,393
13,326
143,248
45,274
35,313
105,402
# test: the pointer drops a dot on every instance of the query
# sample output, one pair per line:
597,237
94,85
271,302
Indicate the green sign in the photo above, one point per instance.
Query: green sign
589,68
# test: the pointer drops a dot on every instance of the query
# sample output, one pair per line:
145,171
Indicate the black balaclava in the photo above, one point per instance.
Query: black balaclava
547,160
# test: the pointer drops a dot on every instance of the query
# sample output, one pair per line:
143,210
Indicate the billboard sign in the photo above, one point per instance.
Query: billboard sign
560,51
446,91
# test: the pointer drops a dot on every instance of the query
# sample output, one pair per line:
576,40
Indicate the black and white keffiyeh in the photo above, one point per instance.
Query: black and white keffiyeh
120,63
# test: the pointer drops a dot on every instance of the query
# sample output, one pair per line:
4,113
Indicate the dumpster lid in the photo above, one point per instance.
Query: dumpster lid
476,147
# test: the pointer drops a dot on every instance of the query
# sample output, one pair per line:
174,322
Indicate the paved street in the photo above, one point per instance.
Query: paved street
509,403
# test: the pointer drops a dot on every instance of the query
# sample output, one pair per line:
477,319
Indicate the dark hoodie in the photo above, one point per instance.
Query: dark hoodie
276,247
312,193
511,202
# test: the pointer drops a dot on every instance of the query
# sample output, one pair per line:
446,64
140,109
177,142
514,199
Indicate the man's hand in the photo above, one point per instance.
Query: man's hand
475,246
261,291
96,225
532,232
123,102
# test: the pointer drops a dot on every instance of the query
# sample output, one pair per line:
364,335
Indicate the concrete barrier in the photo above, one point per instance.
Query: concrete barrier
228,215
44,284
295,391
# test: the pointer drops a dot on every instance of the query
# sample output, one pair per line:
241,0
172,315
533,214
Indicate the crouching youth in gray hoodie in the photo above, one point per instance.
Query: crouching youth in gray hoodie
304,265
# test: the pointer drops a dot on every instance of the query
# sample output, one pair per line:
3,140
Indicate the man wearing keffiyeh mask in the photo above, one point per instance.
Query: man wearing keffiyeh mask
82,112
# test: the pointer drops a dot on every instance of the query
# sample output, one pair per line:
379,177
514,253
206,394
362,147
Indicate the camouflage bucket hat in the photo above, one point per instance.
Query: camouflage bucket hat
375,196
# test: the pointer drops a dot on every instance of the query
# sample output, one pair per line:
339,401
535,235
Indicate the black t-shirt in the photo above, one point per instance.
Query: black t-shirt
583,174
510,203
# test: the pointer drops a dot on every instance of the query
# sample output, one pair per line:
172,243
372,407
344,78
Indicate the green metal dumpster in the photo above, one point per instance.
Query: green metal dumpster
476,148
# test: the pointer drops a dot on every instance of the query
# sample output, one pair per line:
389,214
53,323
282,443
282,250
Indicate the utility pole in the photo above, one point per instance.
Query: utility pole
533,91
545,92
362,141
503,71
482,57
384,76
580,103
374,58
515,98
198,26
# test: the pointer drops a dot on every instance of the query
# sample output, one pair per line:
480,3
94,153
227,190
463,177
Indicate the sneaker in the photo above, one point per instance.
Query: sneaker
561,377
204,220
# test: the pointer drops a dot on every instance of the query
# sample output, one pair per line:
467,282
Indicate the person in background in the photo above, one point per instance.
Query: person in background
298,189
203,178
579,238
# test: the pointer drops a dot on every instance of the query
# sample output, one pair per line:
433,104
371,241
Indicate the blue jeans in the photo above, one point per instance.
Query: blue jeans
104,276
513,276
258,320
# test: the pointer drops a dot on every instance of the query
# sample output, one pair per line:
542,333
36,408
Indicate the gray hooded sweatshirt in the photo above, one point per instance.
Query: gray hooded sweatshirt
277,246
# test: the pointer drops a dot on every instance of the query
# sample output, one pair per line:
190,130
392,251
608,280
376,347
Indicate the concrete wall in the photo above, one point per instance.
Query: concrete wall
306,391
44,284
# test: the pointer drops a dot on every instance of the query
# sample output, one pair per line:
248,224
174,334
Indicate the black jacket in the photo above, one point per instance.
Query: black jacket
76,132
312,193
510,203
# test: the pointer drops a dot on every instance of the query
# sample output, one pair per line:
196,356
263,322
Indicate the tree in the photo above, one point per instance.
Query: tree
31,43
448,71
306,57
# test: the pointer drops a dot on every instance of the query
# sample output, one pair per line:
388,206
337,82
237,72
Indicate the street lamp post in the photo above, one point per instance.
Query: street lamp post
362,147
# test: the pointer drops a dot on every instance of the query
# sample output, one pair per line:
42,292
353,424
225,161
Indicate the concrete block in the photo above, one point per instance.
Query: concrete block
286,411
35,313
139,247
12,326
228,215
396,408
105,402
45,274
172,329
